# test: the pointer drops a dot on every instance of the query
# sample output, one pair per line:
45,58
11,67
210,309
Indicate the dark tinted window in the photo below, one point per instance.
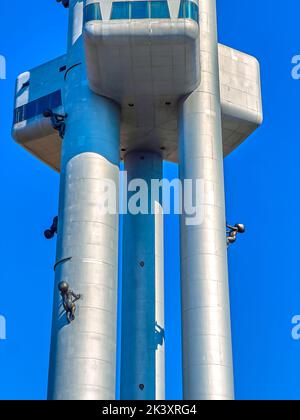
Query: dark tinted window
30,110
37,107
189,10
55,100
156,9
195,12
43,104
159,10
139,10
120,10
19,115
92,12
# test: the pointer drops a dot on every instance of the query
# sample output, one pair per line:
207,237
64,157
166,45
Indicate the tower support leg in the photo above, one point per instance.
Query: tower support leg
143,358
207,350
83,353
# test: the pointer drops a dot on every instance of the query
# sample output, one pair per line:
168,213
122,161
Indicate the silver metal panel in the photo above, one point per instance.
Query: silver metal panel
145,66
142,354
129,58
241,100
83,353
47,149
42,80
36,134
207,358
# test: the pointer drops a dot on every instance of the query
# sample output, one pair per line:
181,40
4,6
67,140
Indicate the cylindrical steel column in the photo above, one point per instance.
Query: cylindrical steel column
207,350
143,357
83,353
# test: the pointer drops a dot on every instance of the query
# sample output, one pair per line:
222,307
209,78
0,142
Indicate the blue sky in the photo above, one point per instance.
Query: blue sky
262,191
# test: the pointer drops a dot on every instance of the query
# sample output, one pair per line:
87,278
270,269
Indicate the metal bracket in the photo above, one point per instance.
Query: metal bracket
61,262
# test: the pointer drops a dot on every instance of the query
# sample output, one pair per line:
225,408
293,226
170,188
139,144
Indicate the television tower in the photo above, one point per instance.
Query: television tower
142,81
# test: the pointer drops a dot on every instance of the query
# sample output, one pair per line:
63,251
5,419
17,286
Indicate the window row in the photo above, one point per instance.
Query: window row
37,107
142,10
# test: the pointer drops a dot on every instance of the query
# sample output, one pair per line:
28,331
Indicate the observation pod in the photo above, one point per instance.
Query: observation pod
144,55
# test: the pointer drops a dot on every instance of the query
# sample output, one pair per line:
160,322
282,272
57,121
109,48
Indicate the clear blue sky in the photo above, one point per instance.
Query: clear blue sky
262,182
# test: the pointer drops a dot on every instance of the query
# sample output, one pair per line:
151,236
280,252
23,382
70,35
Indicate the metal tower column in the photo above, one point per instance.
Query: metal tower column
83,353
143,357
207,350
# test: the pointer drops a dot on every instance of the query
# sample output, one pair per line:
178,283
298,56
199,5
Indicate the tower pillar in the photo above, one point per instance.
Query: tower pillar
143,356
207,350
83,352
